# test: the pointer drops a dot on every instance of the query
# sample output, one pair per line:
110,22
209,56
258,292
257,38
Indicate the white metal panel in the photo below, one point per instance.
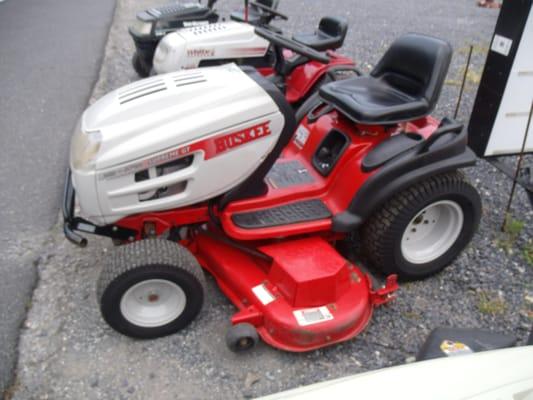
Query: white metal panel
509,127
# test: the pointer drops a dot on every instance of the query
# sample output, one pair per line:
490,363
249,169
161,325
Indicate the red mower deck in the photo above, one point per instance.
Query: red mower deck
309,297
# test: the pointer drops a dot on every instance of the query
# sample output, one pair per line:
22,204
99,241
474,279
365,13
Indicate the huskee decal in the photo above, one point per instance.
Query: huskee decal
210,147
238,138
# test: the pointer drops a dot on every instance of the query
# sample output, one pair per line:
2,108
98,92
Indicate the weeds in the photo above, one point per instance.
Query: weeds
511,231
528,252
490,304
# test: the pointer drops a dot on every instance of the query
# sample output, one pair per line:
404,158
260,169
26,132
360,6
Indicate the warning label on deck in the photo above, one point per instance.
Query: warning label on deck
310,316
262,293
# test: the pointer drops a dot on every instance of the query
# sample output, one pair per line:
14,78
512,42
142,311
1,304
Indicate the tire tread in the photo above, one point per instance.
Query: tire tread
380,231
149,252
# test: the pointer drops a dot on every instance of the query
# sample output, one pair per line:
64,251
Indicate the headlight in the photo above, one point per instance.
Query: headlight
84,148
142,28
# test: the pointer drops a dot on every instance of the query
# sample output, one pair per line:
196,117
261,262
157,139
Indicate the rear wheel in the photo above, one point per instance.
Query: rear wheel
140,66
150,288
419,231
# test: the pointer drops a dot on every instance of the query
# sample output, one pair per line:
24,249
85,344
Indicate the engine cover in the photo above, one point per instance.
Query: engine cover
187,47
172,140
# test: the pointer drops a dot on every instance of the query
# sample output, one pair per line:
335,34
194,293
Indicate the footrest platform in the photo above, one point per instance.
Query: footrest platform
293,213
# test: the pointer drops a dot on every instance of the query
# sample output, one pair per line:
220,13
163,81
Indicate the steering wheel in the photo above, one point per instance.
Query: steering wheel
284,42
269,10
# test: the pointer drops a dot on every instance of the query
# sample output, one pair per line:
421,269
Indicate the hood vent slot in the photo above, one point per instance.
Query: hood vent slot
144,89
200,30
184,80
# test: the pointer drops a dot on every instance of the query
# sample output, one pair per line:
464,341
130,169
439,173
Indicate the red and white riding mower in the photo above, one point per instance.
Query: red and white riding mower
297,66
206,169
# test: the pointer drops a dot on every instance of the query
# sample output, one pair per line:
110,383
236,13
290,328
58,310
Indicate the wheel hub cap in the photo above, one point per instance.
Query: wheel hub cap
432,232
153,303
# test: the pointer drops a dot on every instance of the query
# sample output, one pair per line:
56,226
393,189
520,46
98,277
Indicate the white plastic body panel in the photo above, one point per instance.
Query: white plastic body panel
509,128
218,116
493,375
188,47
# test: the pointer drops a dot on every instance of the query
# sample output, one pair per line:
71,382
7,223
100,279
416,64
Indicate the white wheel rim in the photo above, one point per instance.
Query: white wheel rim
153,303
432,232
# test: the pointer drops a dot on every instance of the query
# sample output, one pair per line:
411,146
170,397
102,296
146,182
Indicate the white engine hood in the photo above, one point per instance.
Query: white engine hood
153,114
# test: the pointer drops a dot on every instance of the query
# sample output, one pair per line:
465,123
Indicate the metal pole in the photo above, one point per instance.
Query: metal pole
518,168
246,10
467,67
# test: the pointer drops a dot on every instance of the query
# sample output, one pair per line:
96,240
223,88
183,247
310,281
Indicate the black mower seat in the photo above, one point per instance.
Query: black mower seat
404,85
330,34
255,15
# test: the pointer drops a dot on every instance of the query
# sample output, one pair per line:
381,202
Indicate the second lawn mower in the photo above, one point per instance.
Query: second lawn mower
206,169
297,66
153,24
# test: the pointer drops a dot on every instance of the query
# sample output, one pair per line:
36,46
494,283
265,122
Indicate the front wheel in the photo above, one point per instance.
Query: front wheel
241,337
150,288
421,230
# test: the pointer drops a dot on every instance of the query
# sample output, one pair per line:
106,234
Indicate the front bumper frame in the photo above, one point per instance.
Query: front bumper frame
73,224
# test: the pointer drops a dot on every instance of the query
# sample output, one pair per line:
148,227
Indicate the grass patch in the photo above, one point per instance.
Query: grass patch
490,304
528,252
511,231
412,315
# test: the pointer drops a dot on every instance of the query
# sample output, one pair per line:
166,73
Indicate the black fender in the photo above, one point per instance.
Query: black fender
444,151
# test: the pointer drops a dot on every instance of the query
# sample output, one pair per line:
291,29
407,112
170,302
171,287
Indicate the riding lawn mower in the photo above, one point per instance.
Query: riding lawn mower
153,24
208,170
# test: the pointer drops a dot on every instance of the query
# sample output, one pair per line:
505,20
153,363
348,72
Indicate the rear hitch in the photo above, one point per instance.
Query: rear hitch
385,294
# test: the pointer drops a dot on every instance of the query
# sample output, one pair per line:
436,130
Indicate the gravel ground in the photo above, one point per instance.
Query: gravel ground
67,351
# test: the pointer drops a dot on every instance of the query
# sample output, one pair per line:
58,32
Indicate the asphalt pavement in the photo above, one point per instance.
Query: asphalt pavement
50,56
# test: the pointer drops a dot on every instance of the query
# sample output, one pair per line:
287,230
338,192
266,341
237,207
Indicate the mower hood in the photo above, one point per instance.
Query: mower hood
149,115
189,47
170,141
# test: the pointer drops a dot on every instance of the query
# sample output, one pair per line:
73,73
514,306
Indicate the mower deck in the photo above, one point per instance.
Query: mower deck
306,297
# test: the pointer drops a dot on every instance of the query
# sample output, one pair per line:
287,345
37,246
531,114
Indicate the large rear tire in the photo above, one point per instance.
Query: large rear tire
150,288
422,229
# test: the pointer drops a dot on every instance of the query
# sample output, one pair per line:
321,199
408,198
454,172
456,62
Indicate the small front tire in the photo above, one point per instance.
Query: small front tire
150,288
422,229
241,337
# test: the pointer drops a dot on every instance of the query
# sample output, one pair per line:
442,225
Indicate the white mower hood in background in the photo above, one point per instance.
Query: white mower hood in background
170,141
188,47
505,374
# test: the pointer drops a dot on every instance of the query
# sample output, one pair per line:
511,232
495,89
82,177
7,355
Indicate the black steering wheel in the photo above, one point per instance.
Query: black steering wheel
269,10
286,43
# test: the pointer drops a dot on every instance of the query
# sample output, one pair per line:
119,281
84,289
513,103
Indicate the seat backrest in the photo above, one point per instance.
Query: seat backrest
269,3
333,26
416,64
